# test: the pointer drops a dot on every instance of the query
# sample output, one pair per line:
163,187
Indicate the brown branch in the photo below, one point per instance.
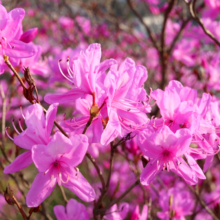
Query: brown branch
163,53
105,189
97,169
150,33
193,13
11,200
7,62
2,145
87,124
203,203
102,211
178,35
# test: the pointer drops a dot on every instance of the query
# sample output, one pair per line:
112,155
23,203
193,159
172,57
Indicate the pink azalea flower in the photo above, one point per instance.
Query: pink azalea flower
85,72
126,100
165,149
182,204
56,163
74,211
10,31
38,131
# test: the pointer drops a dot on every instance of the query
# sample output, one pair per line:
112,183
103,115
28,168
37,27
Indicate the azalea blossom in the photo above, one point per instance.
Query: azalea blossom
165,148
38,131
10,33
57,163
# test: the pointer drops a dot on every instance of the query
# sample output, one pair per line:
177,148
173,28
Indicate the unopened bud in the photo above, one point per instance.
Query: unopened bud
94,111
9,196
28,77
35,209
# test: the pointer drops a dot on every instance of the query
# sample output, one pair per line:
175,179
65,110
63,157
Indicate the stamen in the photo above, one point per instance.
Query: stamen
63,72
60,177
168,166
19,122
22,112
14,126
70,72
6,131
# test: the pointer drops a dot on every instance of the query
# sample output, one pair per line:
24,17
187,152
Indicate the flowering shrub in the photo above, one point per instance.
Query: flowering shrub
132,130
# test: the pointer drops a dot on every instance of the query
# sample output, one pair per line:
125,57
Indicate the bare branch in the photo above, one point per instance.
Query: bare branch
203,203
150,33
193,13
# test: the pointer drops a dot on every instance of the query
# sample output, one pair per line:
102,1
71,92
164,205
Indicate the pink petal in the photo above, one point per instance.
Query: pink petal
60,212
184,171
192,163
41,160
79,148
3,17
67,97
58,145
164,137
83,106
144,213
184,139
19,49
208,163
123,209
112,130
20,162
187,94
15,18
149,172
35,121
176,85
97,130
81,187
103,66
40,189
50,118
29,35
27,139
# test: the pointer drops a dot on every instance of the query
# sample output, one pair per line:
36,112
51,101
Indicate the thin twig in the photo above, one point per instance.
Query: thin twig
203,203
63,194
193,13
105,189
2,145
6,59
150,33
176,38
102,211
163,51
97,169
3,115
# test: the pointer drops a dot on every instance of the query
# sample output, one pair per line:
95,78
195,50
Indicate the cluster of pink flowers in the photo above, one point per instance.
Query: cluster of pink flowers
159,137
